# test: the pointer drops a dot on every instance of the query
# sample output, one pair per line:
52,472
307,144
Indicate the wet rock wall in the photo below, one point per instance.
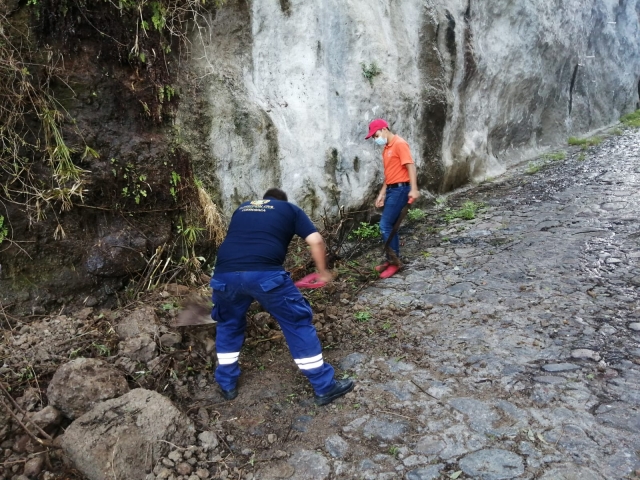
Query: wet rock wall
473,86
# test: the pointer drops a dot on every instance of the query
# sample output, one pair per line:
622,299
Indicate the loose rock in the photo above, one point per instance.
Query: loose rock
79,385
126,435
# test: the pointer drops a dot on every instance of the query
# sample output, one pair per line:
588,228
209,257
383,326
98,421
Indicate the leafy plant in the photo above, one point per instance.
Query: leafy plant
416,214
189,233
362,316
102,350
136,186
26,373
159,15
366,231
370,72
167,92
466,212
174,181
632,119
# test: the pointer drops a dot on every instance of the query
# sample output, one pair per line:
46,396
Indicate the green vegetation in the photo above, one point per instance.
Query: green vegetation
555,156
632,119
362,316
366,231
101,350
416,214
466,212
584,142
533,167
40,168
370,72
582,157
617,132
174,181
189,233
4,231
136,186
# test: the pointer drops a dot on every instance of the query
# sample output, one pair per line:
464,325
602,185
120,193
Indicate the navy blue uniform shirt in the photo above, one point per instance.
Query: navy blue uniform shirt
259,235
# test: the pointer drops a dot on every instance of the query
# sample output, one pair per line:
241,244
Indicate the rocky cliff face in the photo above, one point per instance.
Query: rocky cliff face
473,86
280,92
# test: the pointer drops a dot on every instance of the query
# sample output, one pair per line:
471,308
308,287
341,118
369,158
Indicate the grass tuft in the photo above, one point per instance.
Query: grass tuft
555,156
632,119
584,142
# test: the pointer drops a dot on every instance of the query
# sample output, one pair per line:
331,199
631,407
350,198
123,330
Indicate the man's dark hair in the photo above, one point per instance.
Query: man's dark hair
277,194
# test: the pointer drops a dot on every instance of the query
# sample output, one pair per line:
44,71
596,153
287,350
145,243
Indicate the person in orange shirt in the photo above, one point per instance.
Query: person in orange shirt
400,184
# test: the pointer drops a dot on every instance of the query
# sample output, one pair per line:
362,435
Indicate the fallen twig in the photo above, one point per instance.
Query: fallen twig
15,417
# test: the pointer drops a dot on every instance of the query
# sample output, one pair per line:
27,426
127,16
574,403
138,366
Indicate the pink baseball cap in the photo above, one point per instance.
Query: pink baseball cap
377,124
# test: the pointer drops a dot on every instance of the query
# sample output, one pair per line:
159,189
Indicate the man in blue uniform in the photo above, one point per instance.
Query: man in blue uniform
249,267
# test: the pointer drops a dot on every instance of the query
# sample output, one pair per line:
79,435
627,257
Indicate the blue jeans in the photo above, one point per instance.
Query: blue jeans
394,202
274,290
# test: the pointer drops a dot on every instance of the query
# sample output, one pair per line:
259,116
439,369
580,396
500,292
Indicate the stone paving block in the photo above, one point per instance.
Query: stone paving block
384,429
428,473
550,379
309,465
560,367
492,464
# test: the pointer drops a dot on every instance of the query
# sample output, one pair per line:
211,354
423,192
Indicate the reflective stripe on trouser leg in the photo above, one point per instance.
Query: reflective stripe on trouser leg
309,363
228,370
320,374
228,358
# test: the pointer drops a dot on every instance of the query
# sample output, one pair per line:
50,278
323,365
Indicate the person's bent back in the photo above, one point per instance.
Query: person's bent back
249,267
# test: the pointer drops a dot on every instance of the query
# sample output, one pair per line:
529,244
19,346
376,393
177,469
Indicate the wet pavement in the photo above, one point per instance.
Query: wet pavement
521,337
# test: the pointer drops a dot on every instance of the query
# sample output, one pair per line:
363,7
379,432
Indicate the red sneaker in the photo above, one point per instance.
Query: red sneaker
382,267
390,271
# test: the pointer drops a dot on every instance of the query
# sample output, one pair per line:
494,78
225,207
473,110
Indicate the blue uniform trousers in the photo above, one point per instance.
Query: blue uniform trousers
233,293
394,202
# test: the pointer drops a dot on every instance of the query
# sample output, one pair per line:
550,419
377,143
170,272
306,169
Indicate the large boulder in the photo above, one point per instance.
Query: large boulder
124,437
80,384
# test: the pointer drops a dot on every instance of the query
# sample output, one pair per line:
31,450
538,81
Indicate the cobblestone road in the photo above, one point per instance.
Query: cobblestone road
525,328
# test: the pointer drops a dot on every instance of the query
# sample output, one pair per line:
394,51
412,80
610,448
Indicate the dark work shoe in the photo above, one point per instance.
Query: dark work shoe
229,394
341,388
